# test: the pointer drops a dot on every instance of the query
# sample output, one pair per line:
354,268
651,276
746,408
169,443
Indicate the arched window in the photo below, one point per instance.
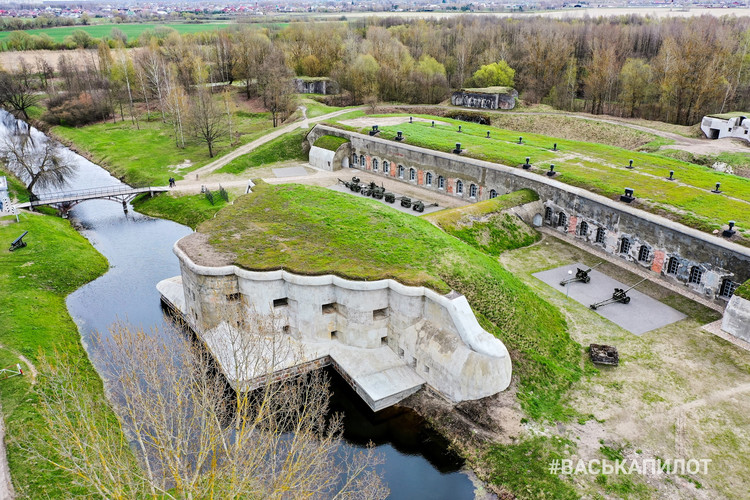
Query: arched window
473,191
600,232
493,193
355,159
562,219
374,164
441,182
412,174
673,265
386,167
400,171
459,187
643,253
583,229
362,160
548,214
695,274
428,179
624,245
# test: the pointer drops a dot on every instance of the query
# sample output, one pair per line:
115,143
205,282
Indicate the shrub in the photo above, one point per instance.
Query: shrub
73,110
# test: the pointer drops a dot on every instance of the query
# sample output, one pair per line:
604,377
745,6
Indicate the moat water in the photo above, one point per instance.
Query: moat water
417,463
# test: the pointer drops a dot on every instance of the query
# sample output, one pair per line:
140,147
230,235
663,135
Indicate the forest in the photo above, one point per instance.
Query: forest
673,70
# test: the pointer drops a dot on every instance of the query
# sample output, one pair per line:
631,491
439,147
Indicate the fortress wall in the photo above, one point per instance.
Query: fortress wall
436,335
719,263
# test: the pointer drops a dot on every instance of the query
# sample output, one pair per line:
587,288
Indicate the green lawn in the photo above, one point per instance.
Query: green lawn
284,148
16,188
330,142
306,230
149,155
315,108
598,168
188,210
34,320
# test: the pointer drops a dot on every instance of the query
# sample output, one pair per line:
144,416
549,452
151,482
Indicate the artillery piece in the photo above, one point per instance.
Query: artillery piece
582,275
619,295
353,186
419,206
405,202
389,197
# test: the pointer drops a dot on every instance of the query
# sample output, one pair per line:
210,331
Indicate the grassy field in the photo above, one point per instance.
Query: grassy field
133,31
149,155
188,210
380,242
283,148
16,188
33,321
486,226
599,168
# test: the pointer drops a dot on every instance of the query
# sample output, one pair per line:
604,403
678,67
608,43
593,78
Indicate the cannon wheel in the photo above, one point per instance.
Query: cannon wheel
593,306
587,279
626,300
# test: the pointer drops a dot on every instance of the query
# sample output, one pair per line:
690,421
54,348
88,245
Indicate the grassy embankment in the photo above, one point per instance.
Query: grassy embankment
330,142
599,168
189,210
308,222
149,155
34,321
284,148
487,226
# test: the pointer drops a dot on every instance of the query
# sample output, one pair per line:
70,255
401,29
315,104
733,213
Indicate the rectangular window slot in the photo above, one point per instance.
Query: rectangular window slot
232,297
426,369
280,302
380,313
334,335
384,340
329,308
287,329
400,352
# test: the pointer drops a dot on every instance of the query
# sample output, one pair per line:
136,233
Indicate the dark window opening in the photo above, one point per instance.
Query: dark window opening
287,329
695,274
624,245
673,265
334,334
727,288
231,297
548,214
583,230
329,308
280,302
600,232
380,313
562,220
643,253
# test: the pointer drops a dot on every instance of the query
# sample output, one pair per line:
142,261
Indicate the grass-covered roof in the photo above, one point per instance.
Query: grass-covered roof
312,230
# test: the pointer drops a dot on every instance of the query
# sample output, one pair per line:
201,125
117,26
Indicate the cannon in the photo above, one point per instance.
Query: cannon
366,190
405,202
18,242
375,191
389,197
419,206
582,275
353,186
619,295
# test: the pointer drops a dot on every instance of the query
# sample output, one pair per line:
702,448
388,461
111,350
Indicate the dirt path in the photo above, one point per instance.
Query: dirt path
305,123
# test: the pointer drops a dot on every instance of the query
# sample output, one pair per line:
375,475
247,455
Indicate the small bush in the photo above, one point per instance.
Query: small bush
223,194
209,196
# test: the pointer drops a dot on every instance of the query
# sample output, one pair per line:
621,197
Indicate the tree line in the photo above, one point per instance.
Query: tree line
674,70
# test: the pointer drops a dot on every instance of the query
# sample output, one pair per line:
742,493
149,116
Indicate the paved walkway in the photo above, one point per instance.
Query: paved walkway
242,150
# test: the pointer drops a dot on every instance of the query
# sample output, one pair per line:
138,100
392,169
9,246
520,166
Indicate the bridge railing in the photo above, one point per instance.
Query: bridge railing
91,192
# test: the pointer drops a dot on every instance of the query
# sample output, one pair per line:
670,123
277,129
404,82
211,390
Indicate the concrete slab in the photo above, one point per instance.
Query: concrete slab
641,315
290,172
397,205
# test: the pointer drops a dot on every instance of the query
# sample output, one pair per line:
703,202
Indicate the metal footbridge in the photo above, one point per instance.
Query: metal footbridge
65,200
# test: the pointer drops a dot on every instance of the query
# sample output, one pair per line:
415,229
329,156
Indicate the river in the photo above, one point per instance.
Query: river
416,464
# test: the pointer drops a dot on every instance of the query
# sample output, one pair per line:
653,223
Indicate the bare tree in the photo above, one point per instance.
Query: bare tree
193,437
206,119
17,94
275,82
37,161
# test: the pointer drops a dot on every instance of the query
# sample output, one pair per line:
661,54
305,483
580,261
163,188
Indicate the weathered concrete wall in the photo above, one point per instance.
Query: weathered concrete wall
478,100
718,128
437,335
315,86
325,159
737,318
713,262
5,206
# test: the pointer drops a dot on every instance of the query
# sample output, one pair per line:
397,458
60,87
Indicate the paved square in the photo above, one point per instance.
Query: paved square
290,172
641,315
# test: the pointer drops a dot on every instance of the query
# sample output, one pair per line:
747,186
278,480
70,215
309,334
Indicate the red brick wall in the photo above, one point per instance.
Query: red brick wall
572,223
420,176
658,264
